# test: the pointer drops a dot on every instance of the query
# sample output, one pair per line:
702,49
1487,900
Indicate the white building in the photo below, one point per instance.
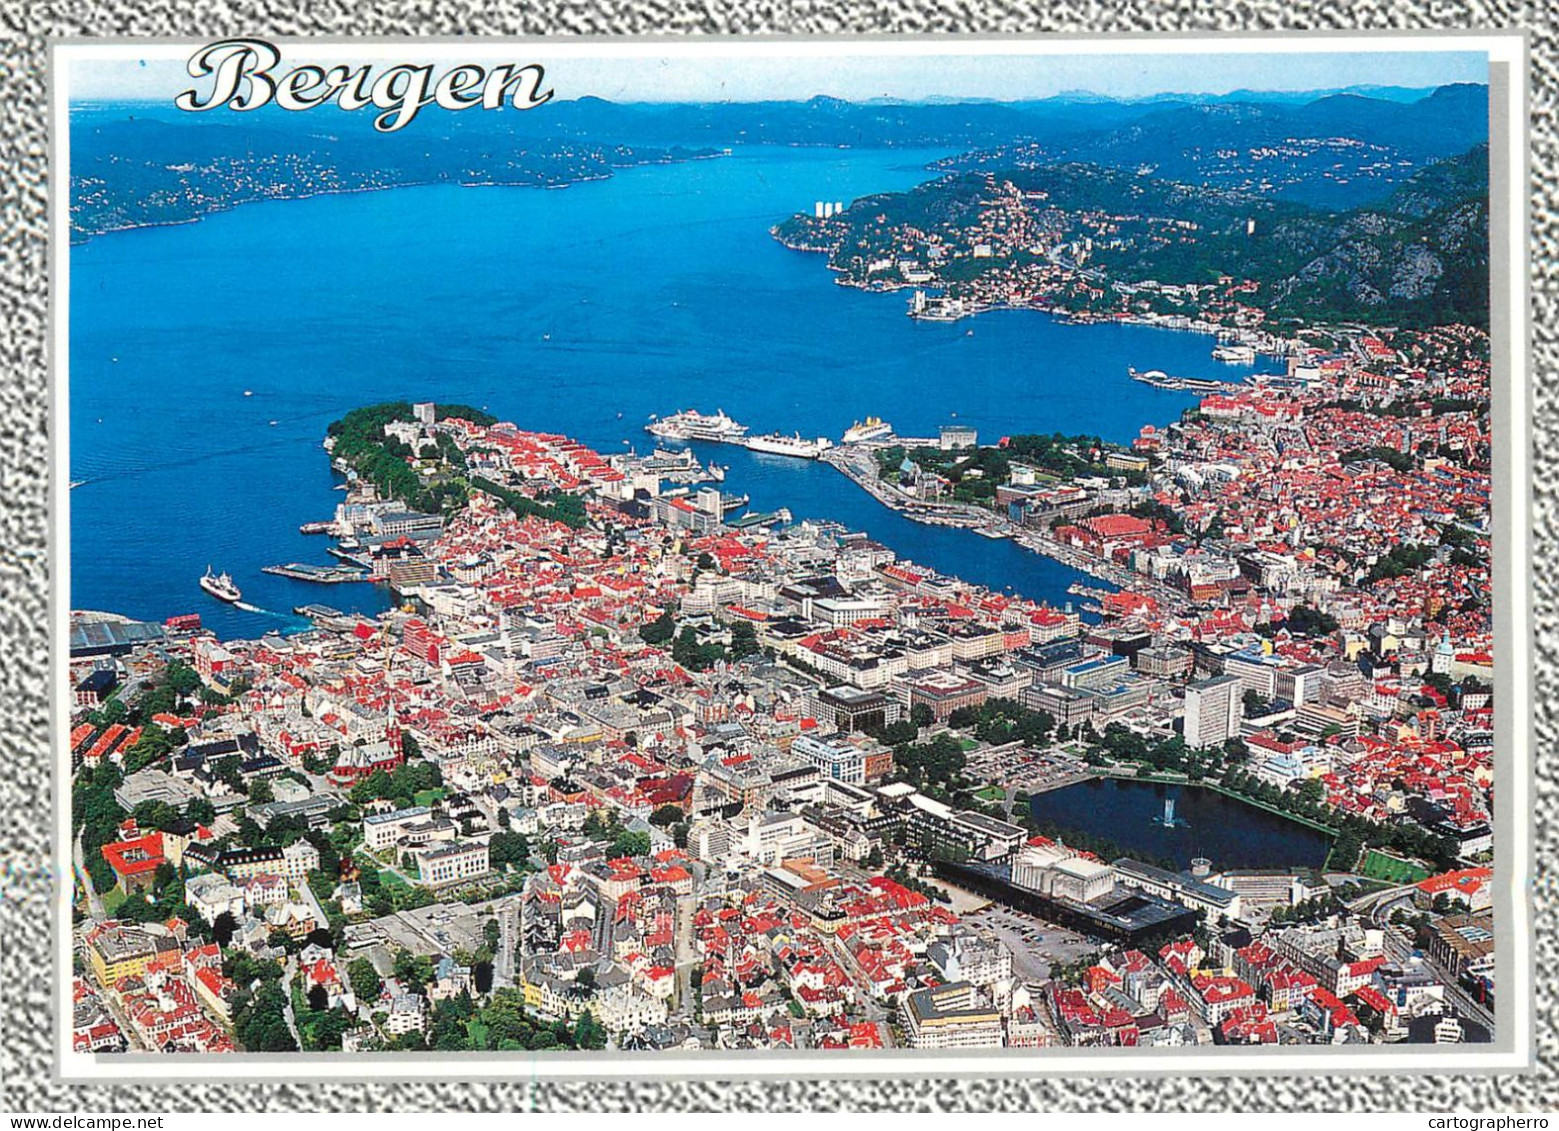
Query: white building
448,863
1212,711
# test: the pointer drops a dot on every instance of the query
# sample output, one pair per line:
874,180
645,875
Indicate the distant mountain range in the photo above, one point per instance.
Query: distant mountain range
139,164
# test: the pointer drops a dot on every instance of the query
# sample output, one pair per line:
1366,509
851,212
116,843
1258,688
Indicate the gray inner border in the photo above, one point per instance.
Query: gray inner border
25,1058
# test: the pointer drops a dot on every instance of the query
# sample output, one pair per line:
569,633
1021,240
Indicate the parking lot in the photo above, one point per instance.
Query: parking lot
1034,943
1018,767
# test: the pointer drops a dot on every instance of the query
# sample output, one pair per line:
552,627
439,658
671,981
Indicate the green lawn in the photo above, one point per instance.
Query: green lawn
968,744
992,793
389,879
1389,868
429,796
112,898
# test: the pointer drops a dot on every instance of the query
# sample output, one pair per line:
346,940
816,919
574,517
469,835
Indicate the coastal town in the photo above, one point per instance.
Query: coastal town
617,769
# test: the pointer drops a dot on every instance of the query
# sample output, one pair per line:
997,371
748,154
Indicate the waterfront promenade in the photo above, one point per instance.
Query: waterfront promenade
858,463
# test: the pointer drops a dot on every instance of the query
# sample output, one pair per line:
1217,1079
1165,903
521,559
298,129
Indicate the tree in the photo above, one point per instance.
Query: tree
588,1032
660,630
631,844
506,847
921,715
262,1025
260,791
329,1028
874,857
744,639
415,970
364,979
666,815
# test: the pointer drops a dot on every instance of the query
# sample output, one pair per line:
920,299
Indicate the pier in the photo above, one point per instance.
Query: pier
321,575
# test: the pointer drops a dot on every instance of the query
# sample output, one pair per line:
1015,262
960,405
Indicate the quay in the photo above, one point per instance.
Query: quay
318,612
859,463
323,575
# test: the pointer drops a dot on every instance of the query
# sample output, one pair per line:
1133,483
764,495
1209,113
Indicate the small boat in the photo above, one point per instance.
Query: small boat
273,424
220,586
248,392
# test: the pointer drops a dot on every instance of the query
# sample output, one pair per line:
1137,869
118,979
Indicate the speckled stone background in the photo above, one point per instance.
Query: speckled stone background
26,1014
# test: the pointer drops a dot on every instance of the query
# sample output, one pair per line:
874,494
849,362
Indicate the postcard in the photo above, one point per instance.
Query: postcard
810,557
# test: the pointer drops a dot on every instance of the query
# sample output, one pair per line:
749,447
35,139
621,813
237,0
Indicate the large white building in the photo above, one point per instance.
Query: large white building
1054,870
836,759
1212,711
447,863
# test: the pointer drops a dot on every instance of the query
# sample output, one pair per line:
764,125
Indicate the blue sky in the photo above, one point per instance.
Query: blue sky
858,75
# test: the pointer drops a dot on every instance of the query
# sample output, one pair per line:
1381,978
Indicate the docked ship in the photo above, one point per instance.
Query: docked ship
776,444
1161,380
220,586
1241,354
693,425
873,428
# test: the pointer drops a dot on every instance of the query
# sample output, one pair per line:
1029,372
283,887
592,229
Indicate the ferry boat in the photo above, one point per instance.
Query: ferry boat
873,428
220,586
693,425
776,444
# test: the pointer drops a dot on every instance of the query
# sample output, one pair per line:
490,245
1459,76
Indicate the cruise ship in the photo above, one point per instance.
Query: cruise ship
693,425
776,444
1242,354
220,586
874,428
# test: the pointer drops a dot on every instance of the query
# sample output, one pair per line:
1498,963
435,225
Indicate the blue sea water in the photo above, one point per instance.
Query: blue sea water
583,310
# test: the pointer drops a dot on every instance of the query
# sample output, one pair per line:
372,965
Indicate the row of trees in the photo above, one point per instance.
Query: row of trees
259,1003
557,507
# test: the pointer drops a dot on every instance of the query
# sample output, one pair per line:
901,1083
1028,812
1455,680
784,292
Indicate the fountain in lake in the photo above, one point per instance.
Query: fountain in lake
1169,820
